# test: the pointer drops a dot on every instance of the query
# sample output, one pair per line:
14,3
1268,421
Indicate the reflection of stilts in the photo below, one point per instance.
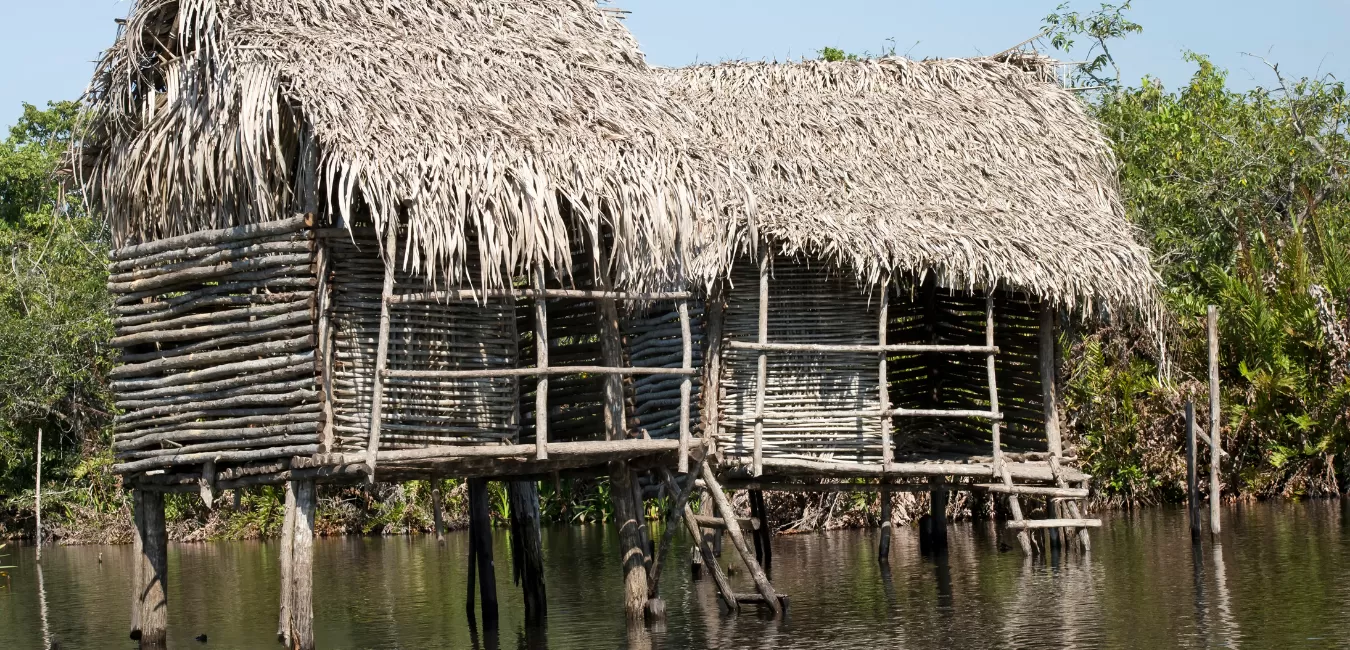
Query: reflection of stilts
47,641
1227,623
1198,578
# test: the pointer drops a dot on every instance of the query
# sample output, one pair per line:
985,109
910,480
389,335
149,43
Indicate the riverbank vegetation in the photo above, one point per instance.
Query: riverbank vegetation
1242,197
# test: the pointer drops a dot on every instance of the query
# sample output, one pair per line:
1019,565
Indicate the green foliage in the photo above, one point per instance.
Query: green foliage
1106,23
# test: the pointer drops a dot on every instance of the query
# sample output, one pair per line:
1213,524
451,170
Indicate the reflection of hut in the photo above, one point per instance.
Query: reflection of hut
891,313
343,232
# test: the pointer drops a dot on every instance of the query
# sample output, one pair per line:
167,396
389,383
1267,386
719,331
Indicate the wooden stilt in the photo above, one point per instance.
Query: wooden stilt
763,367
884,546
302,567
528,548
631,552
152,588
725,510
480,533
287,574
762,533
1215,493
1192,482
705,549
937,513
137,580
382,349
437,515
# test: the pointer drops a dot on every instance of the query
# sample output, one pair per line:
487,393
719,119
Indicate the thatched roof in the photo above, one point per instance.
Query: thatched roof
981,171
472,116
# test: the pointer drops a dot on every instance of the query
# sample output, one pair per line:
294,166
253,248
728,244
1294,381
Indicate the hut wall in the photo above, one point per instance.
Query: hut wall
217,331
807,304
422,336
652,337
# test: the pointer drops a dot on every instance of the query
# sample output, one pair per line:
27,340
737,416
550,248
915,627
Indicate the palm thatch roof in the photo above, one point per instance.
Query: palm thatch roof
478,121
983,171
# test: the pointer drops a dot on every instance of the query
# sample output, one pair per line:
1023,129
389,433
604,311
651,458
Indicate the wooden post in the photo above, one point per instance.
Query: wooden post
763,367
1192,483
1215,493
725,510
763,552
37,500
287,573
705,549
382,349
632,555
302,567
528,548
712,363
883,385
437,516
1049,407
152,587
937,513
541,361
887,514
480,552
1000,469
686,385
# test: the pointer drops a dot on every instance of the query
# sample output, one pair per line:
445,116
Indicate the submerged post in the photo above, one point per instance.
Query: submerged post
1215,494
287,575
152,572
302,567
1192,485
437,517
937,513
527,548
884,547
480,553
37,500
632,555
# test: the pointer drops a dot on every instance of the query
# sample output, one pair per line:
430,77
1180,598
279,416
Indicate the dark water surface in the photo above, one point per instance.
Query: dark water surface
1279,579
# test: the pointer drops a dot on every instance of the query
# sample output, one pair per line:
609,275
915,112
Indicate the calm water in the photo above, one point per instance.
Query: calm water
1278,579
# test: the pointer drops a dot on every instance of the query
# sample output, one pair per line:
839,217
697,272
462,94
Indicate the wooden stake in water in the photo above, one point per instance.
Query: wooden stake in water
1192,482
1215,495
38,498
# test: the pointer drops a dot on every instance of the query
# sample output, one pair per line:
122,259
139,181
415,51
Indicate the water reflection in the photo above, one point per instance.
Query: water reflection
1274,579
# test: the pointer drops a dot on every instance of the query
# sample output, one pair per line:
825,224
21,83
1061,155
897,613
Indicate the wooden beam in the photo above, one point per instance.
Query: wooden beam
686,386
762,369
861,349
883,385
541,342
536,293
382,350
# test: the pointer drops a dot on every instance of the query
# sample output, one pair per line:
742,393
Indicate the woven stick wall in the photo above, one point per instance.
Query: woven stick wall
809,305
439,336
217,330
652,337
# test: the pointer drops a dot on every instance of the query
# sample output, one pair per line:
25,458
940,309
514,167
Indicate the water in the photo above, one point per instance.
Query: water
1278,579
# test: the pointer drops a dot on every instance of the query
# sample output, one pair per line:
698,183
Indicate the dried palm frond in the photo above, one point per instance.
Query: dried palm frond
982,171
484,120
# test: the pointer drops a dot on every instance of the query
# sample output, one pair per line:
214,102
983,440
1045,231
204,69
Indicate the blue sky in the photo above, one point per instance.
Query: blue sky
48,46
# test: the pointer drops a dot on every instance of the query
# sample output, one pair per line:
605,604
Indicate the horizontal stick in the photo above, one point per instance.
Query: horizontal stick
1055,523
706,521
1066,493
470,294
1025,471
216,456
166,311
223,445
252,366
205,435
252,231
533,372
213,358
778,414
584,448
771,486
876,349
199,274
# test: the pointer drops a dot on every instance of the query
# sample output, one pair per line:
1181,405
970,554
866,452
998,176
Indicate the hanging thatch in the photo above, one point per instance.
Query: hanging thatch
981,171
477,119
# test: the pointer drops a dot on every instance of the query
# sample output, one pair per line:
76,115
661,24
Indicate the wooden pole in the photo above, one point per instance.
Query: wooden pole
437,514
1215,493
632,555
541,361
287,574
763,364
480,534
680,498
686,386
382,351
887,514
705,549
152,589
302,567
937,513
37,499
528,548
724,508
137,577
1049,407
883,381
1192,483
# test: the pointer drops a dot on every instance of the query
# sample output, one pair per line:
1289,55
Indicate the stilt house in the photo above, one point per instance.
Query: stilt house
891,312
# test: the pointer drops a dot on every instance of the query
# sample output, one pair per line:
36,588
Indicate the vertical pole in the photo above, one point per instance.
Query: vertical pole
887,513
1215,494
541,361
883,387
1014,505
302,568
382,351
1192,482
1050,408
37,499
137,577
527,540
480,533
712,364
152,590
632,554
686,385
287,572
763,369
437,516
937,513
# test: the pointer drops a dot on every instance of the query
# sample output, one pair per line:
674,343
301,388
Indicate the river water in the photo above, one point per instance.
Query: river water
1279,578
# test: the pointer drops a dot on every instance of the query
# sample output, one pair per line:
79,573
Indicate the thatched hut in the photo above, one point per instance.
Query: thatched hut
890,312
390,240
